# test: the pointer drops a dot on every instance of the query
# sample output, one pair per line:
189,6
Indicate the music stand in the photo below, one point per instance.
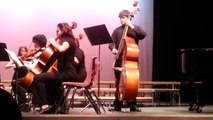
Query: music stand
98,35
3,57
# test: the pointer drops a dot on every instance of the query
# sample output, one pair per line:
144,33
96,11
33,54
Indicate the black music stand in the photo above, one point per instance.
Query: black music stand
3,57
98,35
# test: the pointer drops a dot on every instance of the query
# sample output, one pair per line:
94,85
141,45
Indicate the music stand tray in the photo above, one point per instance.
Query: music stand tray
4,56
98,34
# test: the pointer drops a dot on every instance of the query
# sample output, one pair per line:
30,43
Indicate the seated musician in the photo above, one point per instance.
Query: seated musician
39,42
21,53
46,86
79,61
135,32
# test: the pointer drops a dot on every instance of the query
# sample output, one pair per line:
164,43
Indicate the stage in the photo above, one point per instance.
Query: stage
147,113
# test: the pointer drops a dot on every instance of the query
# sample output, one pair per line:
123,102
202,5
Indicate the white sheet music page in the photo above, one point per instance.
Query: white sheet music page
14,57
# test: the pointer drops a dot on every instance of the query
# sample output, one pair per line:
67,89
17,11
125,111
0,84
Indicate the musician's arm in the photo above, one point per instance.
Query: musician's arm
58,47
10,64
141,34
113,46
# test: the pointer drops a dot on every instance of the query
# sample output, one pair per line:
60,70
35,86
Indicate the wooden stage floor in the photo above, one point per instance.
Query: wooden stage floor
147,113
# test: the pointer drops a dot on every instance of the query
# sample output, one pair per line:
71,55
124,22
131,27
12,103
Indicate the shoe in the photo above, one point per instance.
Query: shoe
117,105
135,109
46,110
191,109
25,108
116,108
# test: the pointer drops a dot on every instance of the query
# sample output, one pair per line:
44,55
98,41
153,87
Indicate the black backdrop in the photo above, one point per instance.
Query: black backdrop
179,24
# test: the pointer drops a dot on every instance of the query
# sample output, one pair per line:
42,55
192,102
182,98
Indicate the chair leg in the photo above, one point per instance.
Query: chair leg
86,100
98,100
92,101
61,107
71,102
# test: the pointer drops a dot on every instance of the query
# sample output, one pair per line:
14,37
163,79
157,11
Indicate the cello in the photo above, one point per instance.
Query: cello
129,50
46,61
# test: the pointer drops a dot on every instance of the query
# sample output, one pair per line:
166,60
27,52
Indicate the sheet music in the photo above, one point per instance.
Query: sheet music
14,57
29,64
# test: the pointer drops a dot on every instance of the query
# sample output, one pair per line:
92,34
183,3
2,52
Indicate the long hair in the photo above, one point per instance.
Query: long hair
66,29
20,48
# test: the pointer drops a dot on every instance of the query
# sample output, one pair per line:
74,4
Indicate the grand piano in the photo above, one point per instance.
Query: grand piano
197,67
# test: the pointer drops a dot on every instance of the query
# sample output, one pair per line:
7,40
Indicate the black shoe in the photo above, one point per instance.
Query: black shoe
25,108
117,105
191,109
135,109
115,109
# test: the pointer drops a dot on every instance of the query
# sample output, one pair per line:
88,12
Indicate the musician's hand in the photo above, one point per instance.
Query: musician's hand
76,61
114,51
127,22
52,41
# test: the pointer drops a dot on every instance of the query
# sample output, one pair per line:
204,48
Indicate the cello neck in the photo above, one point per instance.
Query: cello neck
123,37
124,34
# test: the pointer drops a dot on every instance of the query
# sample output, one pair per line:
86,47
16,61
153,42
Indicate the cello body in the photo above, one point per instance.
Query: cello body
130,70
45,63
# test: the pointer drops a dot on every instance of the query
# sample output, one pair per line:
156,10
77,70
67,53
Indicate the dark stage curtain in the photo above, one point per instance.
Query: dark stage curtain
181,24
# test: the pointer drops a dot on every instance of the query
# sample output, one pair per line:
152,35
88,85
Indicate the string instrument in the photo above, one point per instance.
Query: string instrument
48,57
30,53
27,56
129,51
53,68
46,61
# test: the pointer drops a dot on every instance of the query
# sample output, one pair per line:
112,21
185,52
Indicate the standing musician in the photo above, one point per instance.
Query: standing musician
39,42
46,85
135,32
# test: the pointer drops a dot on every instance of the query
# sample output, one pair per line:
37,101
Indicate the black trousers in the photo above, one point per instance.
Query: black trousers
17,87
46,89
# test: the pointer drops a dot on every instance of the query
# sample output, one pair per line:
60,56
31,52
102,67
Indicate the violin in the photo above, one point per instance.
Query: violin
31,53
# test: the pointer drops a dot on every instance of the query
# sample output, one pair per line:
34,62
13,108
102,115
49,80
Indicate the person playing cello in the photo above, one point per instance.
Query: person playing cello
46,85
135,32
39,42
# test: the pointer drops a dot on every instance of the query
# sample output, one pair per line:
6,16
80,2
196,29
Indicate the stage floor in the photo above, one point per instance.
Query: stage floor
147,113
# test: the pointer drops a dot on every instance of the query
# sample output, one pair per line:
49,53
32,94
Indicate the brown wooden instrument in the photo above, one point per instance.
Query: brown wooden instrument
129,51
46,61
